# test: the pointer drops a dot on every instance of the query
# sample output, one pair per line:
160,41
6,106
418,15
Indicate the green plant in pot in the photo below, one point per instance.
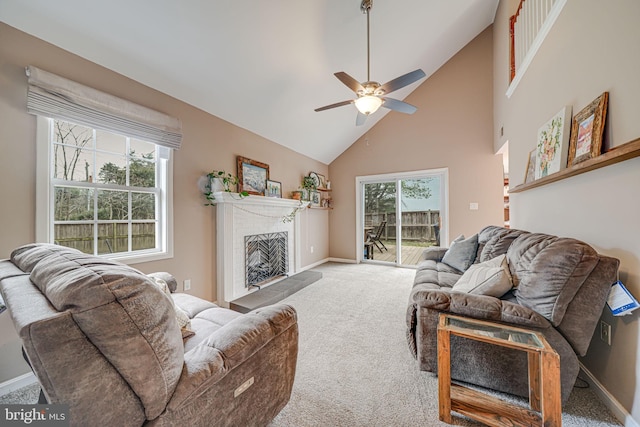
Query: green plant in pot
220,181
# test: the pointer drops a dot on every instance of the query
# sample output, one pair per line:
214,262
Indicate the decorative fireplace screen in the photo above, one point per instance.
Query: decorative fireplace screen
265,257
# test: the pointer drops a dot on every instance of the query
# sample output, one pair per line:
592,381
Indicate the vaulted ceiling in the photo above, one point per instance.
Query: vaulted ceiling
261,65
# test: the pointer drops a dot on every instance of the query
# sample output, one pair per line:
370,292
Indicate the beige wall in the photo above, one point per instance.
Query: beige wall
452,128
209,143
592,48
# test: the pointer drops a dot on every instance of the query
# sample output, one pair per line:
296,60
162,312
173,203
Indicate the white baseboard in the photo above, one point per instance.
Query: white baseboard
609,401
342,260
315,264
17,382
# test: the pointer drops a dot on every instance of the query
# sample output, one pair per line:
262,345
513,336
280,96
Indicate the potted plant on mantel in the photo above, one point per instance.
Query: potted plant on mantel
220,181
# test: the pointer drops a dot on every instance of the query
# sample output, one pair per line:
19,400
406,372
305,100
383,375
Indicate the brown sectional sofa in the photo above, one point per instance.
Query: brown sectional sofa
560,289
101,337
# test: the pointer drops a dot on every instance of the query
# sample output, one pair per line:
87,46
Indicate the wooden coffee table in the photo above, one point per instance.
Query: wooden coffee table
545,407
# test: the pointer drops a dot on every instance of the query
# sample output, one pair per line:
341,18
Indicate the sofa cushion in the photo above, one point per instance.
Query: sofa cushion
548,271
462,253
119,310
436,273
206,317
488,278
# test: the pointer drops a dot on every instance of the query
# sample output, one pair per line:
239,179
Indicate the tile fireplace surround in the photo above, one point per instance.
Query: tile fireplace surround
237,217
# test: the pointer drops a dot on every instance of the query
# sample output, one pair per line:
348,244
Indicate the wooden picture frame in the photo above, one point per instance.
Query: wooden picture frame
530,174
252,176
587,130
552,144
273,189
315,198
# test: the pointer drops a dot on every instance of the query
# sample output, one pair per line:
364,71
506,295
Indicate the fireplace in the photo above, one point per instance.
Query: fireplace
265,257
240,219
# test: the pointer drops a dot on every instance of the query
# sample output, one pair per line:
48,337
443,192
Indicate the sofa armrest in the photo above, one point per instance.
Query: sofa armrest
172,283
480,307
228,347
435,253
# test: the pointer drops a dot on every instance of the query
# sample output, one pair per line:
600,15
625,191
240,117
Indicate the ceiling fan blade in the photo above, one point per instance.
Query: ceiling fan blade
337,104
401,106
360,119
349,81
402,81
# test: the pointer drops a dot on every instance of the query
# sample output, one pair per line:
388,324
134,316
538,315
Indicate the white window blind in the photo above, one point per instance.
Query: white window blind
57,97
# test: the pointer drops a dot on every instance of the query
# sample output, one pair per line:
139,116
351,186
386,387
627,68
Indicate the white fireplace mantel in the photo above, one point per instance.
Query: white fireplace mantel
237,217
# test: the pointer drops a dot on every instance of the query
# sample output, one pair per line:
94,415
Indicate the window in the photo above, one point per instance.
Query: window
102,193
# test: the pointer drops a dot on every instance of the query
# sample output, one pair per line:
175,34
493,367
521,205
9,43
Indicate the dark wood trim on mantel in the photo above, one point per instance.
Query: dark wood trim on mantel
615,155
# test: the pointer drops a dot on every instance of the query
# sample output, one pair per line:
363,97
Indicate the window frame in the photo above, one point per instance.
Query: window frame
360,181
45,198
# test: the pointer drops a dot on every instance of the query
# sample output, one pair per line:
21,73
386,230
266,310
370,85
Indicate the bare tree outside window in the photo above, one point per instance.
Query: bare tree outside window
100,184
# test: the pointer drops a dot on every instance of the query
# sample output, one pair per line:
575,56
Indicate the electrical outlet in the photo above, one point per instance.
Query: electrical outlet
605,332
187,284
473,206
311,249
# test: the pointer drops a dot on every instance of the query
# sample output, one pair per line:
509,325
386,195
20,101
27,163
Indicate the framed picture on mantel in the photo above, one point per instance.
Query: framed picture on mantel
274,189
252,176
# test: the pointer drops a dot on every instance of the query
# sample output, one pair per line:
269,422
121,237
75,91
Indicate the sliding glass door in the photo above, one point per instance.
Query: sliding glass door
401,214
379,221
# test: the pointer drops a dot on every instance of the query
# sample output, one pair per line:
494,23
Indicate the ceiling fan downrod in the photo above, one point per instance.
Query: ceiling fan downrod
365,7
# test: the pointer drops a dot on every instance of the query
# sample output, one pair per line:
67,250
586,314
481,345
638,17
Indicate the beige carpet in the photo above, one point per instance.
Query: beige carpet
355,368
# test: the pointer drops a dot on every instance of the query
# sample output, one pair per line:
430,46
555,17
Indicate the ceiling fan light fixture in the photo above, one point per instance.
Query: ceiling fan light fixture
368,104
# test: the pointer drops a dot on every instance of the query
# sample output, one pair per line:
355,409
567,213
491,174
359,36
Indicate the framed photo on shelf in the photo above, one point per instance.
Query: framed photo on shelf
553,143
315,198
252,176
274,189
587,130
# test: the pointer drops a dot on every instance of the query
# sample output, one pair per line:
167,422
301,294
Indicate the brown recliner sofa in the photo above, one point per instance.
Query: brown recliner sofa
560,288
103,338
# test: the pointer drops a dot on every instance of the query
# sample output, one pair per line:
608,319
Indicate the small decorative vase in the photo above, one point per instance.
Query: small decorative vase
216,185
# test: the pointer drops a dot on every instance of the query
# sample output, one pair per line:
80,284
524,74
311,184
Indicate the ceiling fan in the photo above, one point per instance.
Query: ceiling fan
371,95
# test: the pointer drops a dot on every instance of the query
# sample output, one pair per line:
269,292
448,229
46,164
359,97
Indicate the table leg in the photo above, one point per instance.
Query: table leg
534,380
551,398
444,375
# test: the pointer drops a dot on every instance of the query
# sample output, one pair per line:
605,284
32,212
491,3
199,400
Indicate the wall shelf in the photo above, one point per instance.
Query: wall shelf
615,155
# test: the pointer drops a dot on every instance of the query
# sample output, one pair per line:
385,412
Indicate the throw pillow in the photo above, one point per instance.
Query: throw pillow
181,316
462,253
487,278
